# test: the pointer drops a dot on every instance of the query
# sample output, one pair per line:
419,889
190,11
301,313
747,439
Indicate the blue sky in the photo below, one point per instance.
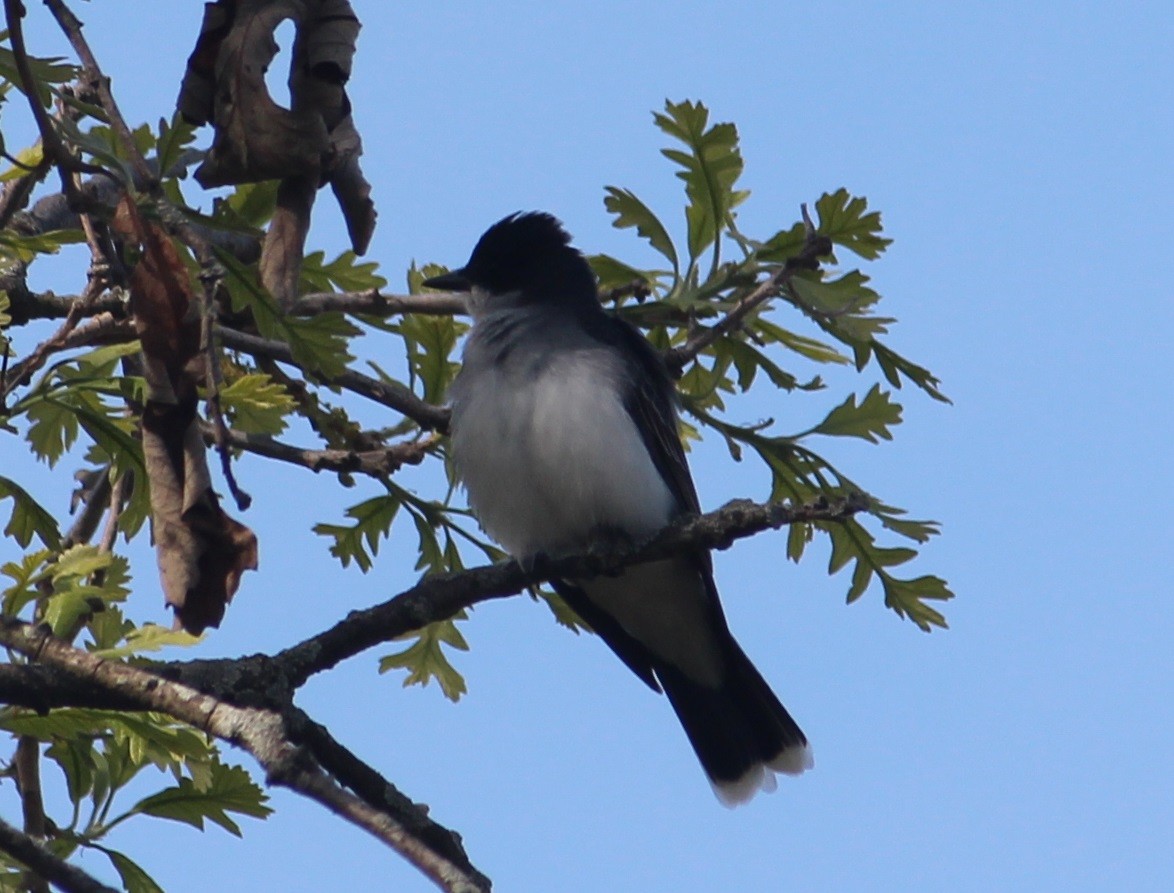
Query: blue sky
1021,156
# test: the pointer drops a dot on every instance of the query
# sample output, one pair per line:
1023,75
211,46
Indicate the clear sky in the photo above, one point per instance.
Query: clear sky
1022,157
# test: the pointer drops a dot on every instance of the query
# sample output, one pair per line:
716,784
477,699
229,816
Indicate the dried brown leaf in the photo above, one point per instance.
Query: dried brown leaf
201,551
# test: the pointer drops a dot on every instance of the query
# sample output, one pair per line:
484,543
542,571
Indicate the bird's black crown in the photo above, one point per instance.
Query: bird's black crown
531,253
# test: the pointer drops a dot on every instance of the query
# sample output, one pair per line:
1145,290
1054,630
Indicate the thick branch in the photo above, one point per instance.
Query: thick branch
259,730
26,305
251,707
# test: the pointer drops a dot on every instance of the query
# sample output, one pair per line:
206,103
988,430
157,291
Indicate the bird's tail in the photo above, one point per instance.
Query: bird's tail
740,731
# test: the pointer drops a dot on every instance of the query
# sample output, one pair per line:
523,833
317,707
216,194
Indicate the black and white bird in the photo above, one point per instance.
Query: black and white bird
564,426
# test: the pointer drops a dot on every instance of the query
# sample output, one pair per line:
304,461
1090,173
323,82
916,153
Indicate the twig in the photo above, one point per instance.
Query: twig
212,382
379,792
373,303
16,193
110,531
318,787
53,148
73,31
23,371
376,463
65,876
814,247
393,396
27,763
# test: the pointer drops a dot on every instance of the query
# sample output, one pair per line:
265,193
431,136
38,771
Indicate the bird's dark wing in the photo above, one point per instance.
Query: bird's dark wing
650,399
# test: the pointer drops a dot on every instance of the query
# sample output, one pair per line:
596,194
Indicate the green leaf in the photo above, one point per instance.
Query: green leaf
256,404
837,298
174,136
54,430
230,790
425,658
319,344
134,878
809,348
430,342
845,220
252,204
908,598
149,637
26,575
28,518
344,273
28,157
869,421
562,612
75,757
710,169
83,580
360,541
629,211
613,273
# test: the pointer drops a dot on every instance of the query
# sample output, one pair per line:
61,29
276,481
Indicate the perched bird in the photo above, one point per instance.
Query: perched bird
564,428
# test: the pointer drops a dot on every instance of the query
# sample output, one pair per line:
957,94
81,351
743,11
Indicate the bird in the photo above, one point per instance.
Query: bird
564,430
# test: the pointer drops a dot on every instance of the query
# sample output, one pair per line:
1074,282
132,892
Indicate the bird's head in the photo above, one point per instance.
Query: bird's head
525,258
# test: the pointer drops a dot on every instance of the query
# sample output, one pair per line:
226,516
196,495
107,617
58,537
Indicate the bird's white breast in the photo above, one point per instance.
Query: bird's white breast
547,452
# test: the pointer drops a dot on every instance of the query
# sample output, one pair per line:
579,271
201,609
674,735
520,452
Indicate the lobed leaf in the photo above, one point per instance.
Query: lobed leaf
870,420
425,659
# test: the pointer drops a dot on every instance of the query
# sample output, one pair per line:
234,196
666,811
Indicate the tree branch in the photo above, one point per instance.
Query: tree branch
379,792
373,303
814,247
73,31
52,146
102,329
393,396
443,596
376,463
259,730
246,701
63,875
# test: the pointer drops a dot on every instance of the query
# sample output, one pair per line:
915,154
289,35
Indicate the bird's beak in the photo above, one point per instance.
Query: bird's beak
454,281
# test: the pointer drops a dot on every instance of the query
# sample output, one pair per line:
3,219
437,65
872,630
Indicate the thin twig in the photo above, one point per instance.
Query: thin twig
376,463
53,148
213,380
814,247
23,371
16,193
73,31
393,396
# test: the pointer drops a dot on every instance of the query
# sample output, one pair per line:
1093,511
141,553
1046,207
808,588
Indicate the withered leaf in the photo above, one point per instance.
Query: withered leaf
255,138
201,551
